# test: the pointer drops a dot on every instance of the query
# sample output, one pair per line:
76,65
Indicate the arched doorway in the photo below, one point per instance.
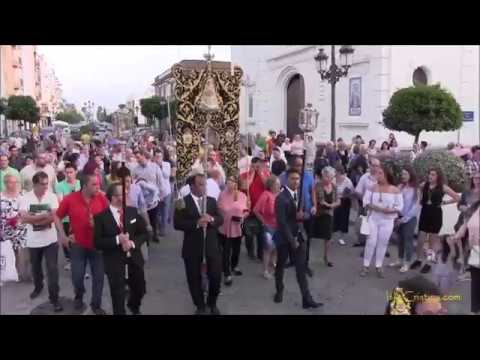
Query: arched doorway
295,102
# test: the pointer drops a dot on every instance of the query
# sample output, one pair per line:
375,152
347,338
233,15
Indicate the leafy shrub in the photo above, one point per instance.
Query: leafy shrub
453,168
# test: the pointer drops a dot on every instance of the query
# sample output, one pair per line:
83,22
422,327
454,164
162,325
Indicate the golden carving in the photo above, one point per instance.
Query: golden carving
207,98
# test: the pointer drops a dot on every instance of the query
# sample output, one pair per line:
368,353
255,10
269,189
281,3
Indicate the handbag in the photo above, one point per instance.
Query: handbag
364,227
474,257
251,226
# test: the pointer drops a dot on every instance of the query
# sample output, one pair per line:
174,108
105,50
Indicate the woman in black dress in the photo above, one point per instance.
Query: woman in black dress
431,216
324,196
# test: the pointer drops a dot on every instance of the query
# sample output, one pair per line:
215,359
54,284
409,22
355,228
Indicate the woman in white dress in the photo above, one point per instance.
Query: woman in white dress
383,202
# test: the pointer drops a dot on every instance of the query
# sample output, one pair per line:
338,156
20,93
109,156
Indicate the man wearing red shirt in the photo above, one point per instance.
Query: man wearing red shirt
254,180
81,207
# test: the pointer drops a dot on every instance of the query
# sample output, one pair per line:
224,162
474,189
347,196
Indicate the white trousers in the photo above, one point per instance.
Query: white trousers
377,241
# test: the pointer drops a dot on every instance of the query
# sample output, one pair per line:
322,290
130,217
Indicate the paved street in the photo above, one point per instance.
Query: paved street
340,288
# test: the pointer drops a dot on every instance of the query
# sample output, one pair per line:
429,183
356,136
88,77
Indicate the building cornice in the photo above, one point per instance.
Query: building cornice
294,50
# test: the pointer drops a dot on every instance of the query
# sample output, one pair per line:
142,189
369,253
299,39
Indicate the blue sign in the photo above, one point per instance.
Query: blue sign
468,116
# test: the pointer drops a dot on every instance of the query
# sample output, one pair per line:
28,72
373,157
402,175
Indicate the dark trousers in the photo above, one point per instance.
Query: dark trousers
405,244
79,258
153,217
193,269
300,267
475,289
308,229
51,258
115,271
249,244
66,250
230,253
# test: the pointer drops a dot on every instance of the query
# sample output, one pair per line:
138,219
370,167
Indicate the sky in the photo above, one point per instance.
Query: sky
108,75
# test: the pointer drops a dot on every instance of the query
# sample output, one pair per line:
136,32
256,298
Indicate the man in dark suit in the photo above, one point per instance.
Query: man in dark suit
120,247
188,218
289,236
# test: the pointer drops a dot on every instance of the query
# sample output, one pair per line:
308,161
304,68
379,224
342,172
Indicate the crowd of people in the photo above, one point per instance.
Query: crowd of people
72,196
65,196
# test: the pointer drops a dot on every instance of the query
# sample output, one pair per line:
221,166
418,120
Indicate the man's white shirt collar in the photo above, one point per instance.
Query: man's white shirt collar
116,214
292,193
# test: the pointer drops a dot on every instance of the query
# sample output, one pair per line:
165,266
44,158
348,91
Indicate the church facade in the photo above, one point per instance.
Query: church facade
280,80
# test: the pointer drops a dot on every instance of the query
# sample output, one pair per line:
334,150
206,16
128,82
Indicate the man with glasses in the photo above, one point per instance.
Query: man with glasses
40,164
37,209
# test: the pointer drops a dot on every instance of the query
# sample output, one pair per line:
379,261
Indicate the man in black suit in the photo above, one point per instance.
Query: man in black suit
188,218
121,247
289,236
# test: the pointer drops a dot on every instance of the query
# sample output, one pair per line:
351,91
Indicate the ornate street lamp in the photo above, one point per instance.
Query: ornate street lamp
333,73
308,122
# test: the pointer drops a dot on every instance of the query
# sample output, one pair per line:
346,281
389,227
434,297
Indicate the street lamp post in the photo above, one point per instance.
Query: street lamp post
308,122
334,73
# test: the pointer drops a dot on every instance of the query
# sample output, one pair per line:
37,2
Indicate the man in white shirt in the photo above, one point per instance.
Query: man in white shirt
164,209
40,164
151,173
213,189
36,209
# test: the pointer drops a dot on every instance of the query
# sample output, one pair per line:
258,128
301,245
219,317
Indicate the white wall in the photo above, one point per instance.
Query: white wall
383,70
456,69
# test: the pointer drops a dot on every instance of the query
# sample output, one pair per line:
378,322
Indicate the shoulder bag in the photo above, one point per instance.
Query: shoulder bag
364,227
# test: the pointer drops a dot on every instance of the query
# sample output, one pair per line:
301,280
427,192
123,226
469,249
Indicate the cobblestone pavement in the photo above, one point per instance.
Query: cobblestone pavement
340,288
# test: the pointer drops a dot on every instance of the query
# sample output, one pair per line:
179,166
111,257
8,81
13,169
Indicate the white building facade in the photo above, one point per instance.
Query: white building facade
270,72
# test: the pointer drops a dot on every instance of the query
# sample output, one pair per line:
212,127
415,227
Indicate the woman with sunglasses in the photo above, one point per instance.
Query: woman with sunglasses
233,207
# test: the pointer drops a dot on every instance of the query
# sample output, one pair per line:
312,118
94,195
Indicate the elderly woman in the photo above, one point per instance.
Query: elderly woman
233,207
325,200
10,226
264,210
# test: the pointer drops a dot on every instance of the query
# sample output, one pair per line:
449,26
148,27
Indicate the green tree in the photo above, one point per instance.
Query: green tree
22,108
151,107
71,117
422,108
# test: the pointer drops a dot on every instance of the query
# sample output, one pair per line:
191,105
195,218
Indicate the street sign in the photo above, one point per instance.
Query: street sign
468,116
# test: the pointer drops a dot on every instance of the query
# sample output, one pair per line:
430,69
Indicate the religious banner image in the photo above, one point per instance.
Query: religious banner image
355,98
